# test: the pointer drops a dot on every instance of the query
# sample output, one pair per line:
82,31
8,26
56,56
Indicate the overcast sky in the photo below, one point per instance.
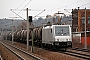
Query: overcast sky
51,6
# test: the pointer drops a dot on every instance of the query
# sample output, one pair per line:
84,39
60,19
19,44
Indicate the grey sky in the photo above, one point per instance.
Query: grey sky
51,6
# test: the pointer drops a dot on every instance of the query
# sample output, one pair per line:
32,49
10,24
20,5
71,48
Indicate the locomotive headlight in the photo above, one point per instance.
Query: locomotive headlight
67,39
57,39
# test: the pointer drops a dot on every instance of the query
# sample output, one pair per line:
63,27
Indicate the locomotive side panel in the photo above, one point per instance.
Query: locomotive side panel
47,36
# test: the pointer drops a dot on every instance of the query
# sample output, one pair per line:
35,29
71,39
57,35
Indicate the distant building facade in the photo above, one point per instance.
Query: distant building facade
78,22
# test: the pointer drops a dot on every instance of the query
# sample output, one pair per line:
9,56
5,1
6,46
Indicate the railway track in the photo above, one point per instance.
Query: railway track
84,50
80,53
22,55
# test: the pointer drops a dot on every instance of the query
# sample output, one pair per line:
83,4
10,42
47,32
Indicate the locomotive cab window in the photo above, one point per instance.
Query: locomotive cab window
62,31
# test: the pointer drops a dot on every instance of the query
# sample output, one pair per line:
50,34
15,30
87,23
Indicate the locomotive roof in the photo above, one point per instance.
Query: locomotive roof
46,27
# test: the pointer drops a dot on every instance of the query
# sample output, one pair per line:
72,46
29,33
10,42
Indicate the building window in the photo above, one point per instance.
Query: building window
88,29
83,20
83,29
88,20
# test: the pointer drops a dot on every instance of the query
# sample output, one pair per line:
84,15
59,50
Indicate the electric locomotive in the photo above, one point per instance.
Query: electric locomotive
57,36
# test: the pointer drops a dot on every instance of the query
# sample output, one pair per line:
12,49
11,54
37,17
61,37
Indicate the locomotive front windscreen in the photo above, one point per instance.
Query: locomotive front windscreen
62,31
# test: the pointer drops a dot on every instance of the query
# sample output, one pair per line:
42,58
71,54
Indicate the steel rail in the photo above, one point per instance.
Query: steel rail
32,55
21,58
77,54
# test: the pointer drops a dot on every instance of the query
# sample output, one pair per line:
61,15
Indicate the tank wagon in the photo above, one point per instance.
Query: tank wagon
55,36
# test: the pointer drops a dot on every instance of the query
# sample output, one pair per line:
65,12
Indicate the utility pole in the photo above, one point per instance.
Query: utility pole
6,32
72,25
27,30
2,33
12,32
85,41
32,50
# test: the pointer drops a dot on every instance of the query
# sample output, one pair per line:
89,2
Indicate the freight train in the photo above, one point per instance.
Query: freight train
55,36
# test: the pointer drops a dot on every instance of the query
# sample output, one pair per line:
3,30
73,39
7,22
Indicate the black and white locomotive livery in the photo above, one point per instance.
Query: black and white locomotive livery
55,36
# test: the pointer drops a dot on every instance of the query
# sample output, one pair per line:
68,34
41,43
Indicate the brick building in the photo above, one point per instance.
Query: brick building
78,22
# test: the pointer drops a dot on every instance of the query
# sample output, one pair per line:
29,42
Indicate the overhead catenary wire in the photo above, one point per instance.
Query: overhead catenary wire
17,8
39,13
72,3
25,6
77,7
21,4
84,5
65,6
25,10
17,14
51,9
20,10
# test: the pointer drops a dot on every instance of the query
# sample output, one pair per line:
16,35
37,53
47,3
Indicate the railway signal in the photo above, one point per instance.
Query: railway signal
31,28
30,19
